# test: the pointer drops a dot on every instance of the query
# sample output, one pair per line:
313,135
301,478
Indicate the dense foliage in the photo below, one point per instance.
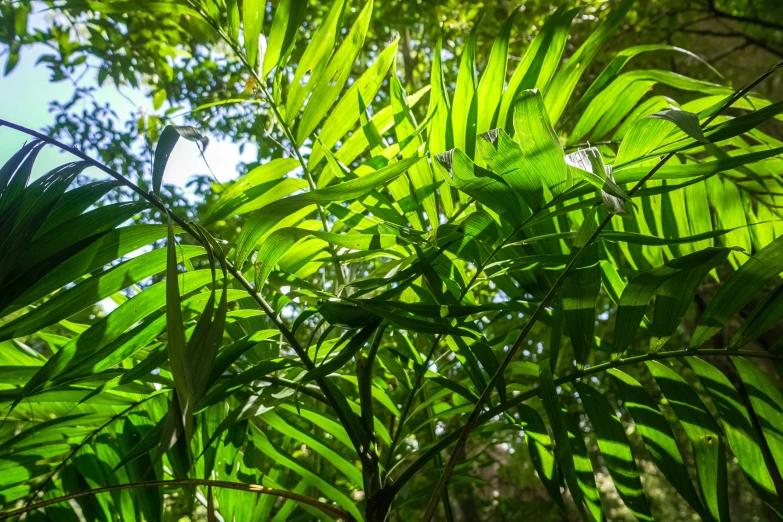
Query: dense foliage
486,283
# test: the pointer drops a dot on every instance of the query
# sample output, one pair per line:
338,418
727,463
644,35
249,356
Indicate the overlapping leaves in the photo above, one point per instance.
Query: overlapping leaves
386,274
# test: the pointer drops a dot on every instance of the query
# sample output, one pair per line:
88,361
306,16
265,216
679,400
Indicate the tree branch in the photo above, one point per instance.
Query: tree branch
731,51
744,19
749,40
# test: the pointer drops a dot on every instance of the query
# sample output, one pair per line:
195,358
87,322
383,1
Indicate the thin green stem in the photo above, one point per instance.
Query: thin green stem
364,456
501,408
422,369
308,175
288,134
239,486
474,416
237,274
79,446
480,269
459,211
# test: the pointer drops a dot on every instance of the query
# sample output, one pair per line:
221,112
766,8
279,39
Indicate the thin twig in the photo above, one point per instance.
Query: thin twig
371,465
743,19
731,51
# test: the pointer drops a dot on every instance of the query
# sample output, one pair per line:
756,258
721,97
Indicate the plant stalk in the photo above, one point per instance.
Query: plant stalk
475,414
239,486
288,134
237,274
499,409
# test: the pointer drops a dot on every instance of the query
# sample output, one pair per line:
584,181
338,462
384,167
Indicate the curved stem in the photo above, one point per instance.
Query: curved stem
84,441
711,114
236,273
239,486
341,412
491,413
308,175
475,414
180,222
422,370
480,269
